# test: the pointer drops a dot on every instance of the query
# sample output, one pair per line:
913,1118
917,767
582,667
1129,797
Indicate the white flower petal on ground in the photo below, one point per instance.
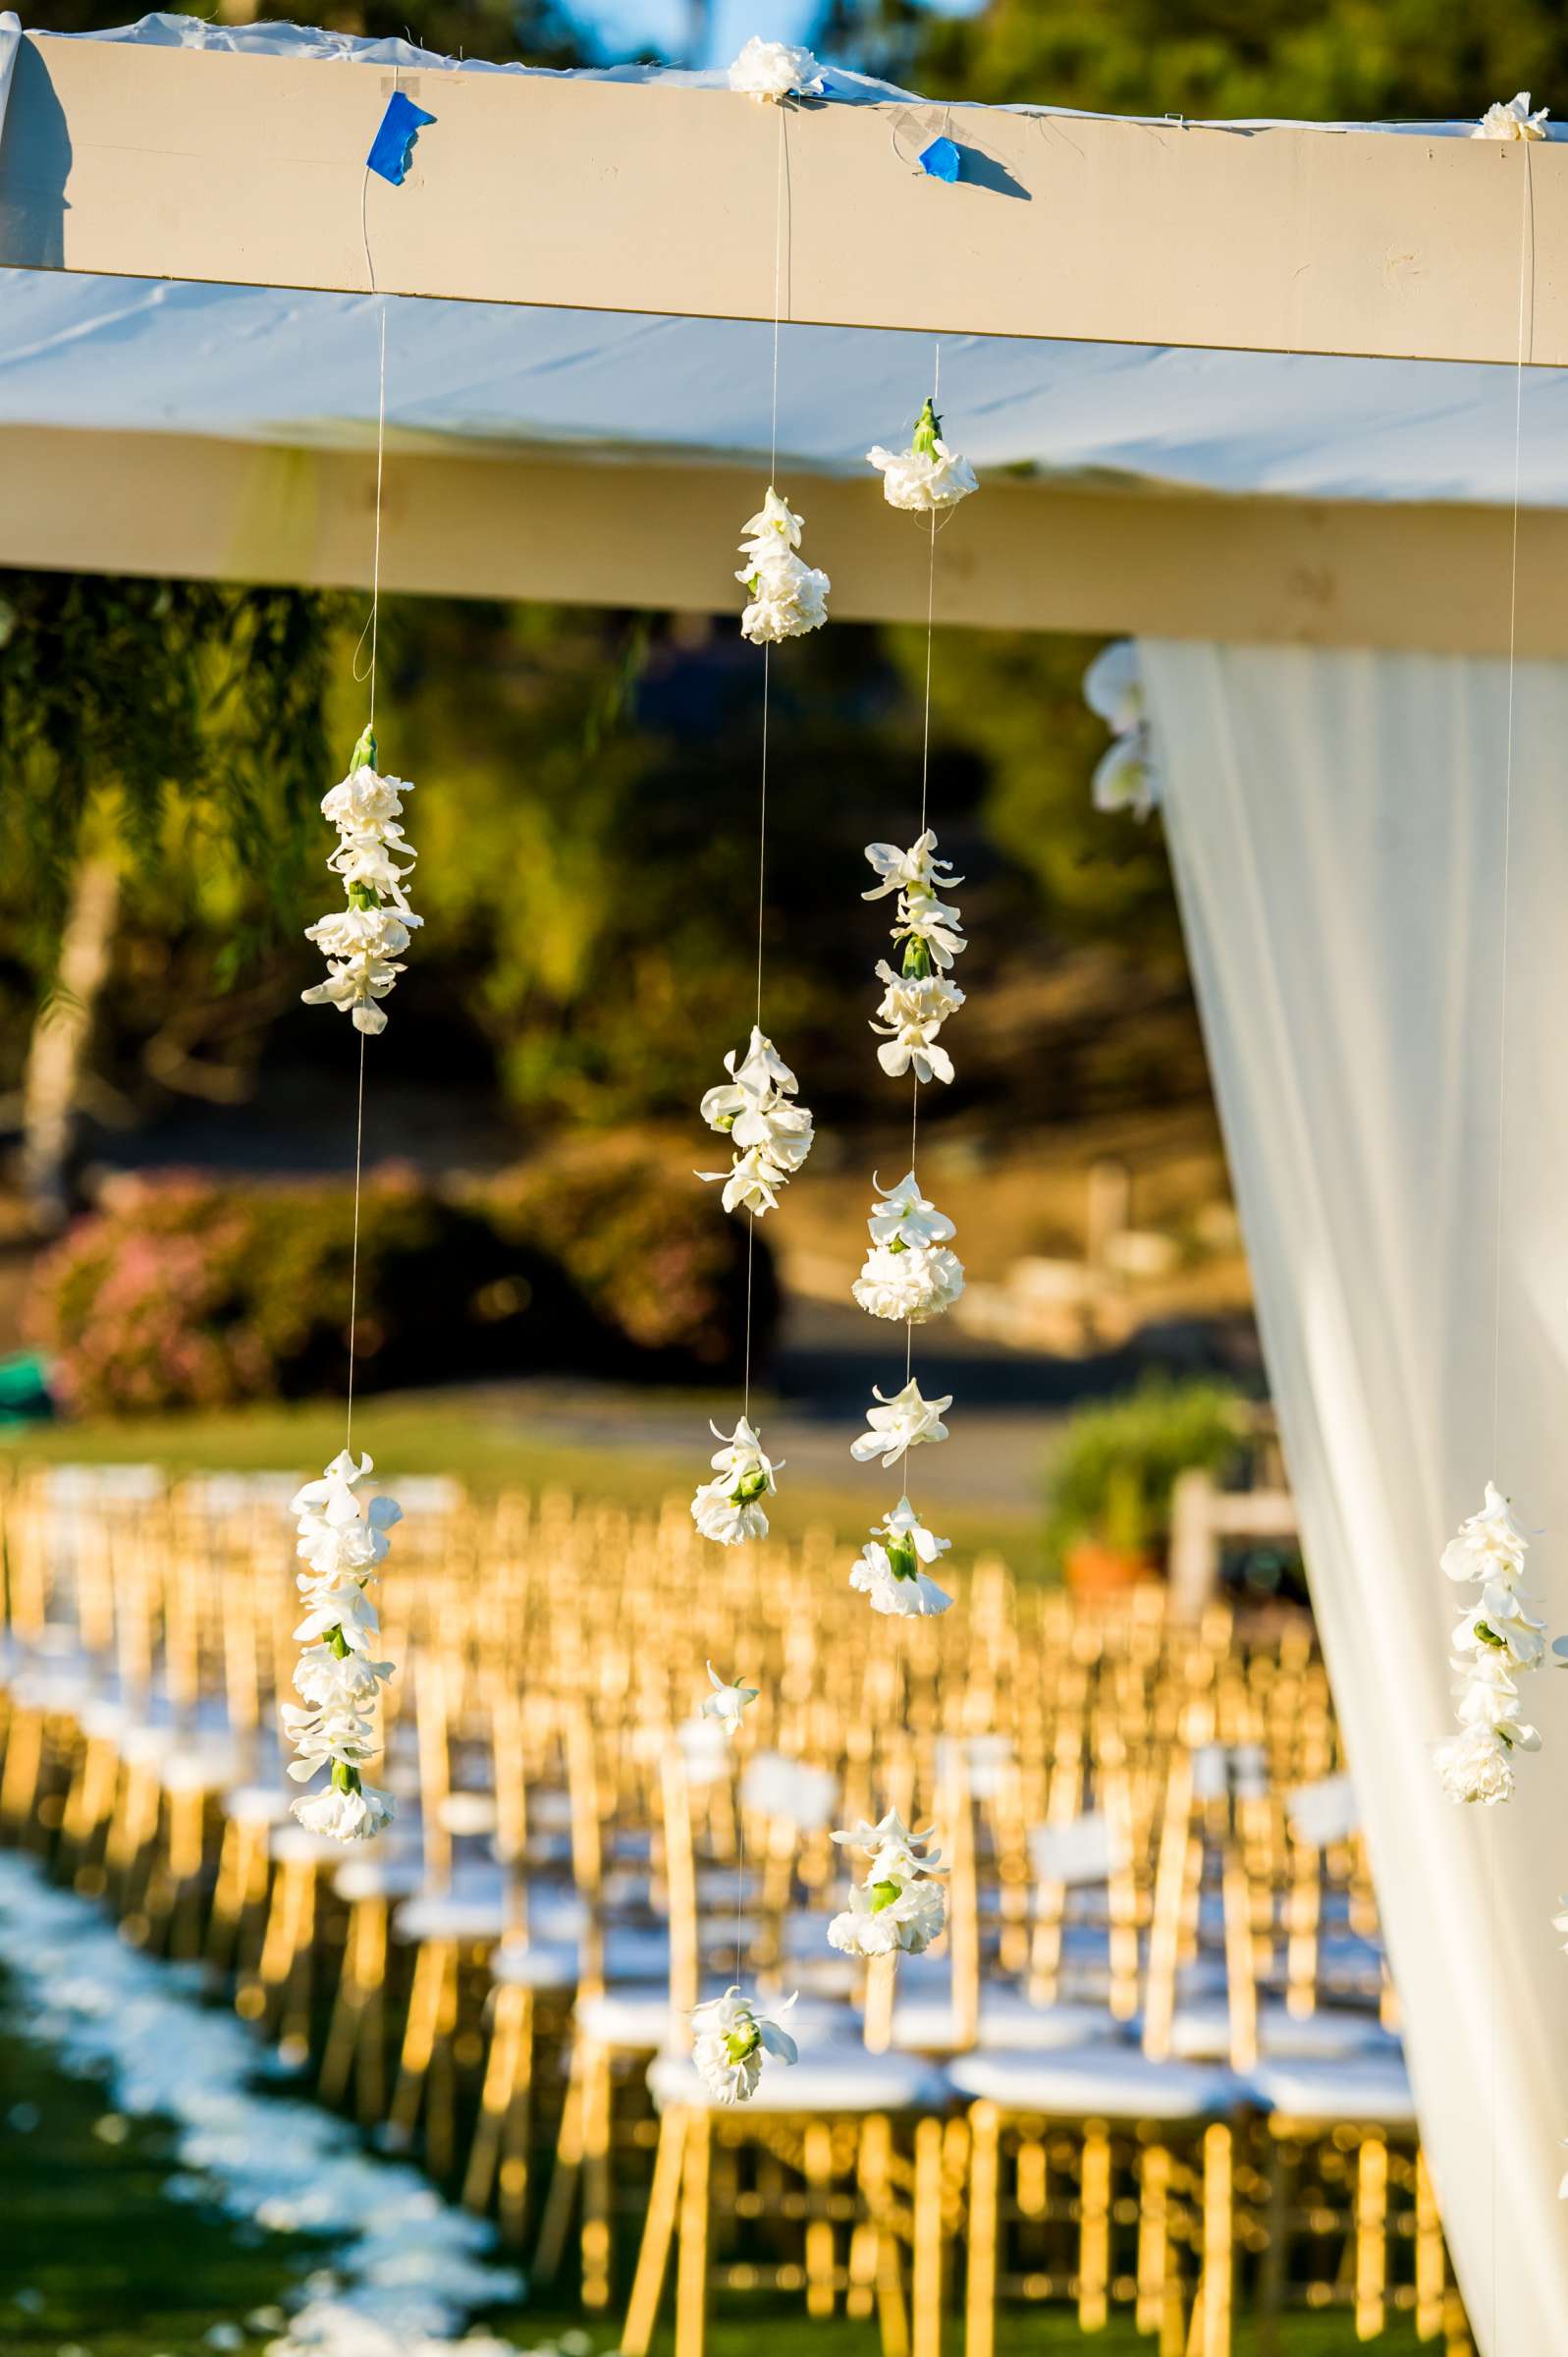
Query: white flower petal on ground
772,71
899,1424
726,1703
1511,119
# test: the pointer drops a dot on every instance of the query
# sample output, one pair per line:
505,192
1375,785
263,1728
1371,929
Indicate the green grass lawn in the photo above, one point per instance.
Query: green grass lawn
488,1439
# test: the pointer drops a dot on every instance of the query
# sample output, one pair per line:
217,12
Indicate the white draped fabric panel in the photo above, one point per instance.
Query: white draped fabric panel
1336,822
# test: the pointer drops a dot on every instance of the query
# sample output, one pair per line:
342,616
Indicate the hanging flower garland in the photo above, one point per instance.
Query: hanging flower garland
891,1571
771,1136
909,1274
342,1540
788,596
732,2040
374,858
895,1909
1126,776
730,1507
918,999
1496,1636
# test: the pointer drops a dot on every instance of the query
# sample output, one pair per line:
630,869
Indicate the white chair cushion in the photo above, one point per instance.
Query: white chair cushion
1109,2082
259,1804
637,2020
1201,2033
199,1767
832,2078
378,1877
542,1965
928,2024
1371,2088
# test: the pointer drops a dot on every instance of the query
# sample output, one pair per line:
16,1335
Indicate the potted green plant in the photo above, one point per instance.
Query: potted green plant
1108,1485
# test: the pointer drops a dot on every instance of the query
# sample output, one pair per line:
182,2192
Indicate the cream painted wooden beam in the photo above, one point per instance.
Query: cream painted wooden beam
1021,557
198,164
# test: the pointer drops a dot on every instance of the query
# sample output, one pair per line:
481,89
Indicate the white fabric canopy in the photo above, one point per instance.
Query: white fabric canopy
1336,822
289,367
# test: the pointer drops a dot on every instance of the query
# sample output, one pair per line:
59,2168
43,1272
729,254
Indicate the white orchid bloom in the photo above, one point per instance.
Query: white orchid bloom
772,71
771,1135
790,600
1112,687
731,2040
362,801
895,1907
775,526
900,1424
342,1538
730,1508
903,1215
917,869
1512,120
1125,778
726,1703
934,923
762,1070
890,1570
1489,1544
911,1013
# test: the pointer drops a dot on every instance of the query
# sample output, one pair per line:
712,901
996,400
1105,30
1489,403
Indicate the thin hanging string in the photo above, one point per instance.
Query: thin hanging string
925,786
373,629
1525,241
767,684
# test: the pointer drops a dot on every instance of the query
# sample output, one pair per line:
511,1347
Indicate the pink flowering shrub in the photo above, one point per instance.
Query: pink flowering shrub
191,1292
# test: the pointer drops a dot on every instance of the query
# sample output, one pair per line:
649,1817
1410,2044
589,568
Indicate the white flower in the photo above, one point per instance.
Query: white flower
890,1569
1513,120
911,1013
1503,1620
771,1135
915,870
899,1424
903,1215
375,859
1489,1544
726,1703
1127,777
730,1507
731,2040
789,598
1475,1767
936,925
1488,1696
342,1538
927,474
895,1907
346,1816
908,1285
772,71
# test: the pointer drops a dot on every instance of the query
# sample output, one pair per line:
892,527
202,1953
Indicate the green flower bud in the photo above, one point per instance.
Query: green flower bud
363,755
738,2043
344,1778
925,432
882,1896
916,960
903,1560
752,1485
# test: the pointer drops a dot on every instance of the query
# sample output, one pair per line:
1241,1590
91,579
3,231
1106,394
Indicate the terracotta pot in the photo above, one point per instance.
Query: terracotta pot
1095,1567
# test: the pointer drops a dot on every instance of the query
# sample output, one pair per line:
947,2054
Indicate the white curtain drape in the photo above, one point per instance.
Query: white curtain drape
1337,821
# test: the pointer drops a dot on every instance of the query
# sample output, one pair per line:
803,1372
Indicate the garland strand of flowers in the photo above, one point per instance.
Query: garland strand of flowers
895,1909
755,1109
1497,1635
1126,776
342,1536
910,1274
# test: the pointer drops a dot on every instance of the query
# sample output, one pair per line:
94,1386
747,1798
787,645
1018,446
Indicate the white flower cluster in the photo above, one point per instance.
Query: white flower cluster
731,2040
1513,120
888,1569
917,1000
899,1424
926,476
909,1273
364,941
730,1507
772,71
1498,1634
788,596
771,1138
343,1539
1125,776
895,1907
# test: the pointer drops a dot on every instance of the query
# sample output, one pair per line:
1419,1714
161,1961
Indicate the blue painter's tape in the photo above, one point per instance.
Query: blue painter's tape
939,159
392,145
